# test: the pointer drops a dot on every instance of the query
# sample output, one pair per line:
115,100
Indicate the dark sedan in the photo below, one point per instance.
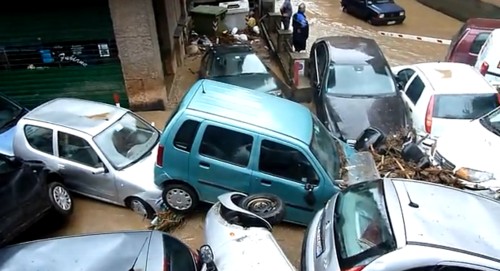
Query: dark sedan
239,65
375,12
27,193
355,87
133,250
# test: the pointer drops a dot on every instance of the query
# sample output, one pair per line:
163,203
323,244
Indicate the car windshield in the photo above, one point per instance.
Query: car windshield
234,64
467,106
9,112
127,140
177,256
360,80
362,228
492,121
326,149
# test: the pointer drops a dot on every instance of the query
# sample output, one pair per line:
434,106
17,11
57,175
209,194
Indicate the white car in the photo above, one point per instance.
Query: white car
488,59
471,151
443,95
241,240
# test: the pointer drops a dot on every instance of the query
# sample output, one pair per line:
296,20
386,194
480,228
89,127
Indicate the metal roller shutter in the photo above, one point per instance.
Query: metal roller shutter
56,48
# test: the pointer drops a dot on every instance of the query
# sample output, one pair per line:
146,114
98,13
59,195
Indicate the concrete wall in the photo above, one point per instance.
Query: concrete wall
465,9
139,52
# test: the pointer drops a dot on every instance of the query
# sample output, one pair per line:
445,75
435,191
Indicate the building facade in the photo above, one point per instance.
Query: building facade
92,49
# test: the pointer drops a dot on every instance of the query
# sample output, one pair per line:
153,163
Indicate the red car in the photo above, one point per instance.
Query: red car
465,45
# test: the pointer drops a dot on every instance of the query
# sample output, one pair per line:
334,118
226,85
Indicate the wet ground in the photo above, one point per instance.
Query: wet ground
326,19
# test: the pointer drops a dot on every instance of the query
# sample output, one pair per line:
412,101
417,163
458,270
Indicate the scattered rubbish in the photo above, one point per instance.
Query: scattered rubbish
241,37
192,49
234,31
256,30
167,221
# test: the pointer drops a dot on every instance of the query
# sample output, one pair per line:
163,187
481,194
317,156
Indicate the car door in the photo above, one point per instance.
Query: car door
219,160
411,95
358,8
80,164
322,56
31,190
10,213
283,170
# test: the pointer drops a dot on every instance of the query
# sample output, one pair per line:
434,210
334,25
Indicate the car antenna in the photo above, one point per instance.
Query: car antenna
411,204
132,268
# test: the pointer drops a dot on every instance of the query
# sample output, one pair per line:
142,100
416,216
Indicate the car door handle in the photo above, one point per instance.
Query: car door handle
204,165
265,182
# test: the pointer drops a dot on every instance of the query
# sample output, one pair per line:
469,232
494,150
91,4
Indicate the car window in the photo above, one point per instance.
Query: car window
363,79
478,42
233,64
405,75
6,167
466,106
9,112
39,138
322,57
185,135
415,89
226,145
285,162
177,255
77,149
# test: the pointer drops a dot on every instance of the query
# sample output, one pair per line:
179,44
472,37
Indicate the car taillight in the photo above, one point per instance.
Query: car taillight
355,268
159,156
484,68
428,115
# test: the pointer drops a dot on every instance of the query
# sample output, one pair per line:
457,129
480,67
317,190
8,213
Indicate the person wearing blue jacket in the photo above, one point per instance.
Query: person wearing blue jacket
300,29
286,14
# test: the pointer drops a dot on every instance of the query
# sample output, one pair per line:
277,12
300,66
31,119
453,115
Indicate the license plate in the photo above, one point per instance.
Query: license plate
391,22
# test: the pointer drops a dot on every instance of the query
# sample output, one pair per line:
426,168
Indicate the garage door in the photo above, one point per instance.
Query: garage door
56,48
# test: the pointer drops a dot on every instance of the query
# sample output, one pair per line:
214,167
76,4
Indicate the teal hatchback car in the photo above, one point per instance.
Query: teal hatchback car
225,138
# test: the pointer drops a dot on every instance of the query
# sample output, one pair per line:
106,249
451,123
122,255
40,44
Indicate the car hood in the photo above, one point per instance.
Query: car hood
386,7
6,139
260,82
353,115
472,146
141,174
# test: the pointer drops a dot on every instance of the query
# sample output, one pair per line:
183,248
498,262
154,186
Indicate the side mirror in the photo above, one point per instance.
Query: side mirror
98,171
207,257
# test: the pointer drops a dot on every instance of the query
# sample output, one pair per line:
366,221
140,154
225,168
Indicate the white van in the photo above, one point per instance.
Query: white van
488,59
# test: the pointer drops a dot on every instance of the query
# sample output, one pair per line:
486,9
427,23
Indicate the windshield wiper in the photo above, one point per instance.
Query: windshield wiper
132,268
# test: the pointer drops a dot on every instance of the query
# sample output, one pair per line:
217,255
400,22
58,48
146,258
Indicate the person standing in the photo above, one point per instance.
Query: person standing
286,14
300,29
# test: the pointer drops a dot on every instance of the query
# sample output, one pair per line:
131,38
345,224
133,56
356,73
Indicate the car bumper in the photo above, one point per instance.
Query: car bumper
388,21
308,257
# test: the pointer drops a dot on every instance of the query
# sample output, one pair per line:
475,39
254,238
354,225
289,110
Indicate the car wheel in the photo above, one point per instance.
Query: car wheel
180,198
62,202
268,206
141,207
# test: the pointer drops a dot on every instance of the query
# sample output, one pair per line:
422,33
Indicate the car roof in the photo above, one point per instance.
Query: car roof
353,50
454,78
483,23
85,116
253,108
221,49
449,218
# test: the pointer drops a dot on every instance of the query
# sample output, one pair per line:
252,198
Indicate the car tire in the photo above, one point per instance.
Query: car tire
180,198
61,199
268,206
141,207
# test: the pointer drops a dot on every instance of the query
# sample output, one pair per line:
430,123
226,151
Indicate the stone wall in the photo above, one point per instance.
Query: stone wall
465,9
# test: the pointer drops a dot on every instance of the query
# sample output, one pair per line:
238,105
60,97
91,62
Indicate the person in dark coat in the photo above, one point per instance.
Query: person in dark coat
300,29
286,14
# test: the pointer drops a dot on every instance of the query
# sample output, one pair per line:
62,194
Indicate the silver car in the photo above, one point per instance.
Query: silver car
395,224
98,150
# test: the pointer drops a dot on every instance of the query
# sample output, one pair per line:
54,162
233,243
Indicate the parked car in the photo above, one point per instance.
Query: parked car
28,193
355,88
400,224
225,138
375,12
442,95
239,65
467,42
242,240
98,150
488,59
470,151
10,113
130,250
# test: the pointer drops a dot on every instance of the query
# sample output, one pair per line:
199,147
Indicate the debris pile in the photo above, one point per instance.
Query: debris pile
390,163
167,221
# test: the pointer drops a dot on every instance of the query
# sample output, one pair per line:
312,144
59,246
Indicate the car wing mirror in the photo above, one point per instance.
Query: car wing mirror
207,258
100,170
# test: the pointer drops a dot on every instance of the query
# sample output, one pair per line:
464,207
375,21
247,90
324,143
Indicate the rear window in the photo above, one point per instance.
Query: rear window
177,256
359,80
233,64
478,42
468,106
362,228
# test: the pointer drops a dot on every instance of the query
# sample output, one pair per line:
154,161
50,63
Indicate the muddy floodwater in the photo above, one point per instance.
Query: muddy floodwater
325,19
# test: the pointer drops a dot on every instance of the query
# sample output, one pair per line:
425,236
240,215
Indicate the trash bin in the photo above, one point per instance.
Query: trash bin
207,20
236,13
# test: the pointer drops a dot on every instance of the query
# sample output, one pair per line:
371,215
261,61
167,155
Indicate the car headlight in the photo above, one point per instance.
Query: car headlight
473,175
381,15
319,240
276,92
402,13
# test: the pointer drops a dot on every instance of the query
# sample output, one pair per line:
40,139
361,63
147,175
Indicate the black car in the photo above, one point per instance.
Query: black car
10,113
375,12
356,88
27,193
239,65
124,251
